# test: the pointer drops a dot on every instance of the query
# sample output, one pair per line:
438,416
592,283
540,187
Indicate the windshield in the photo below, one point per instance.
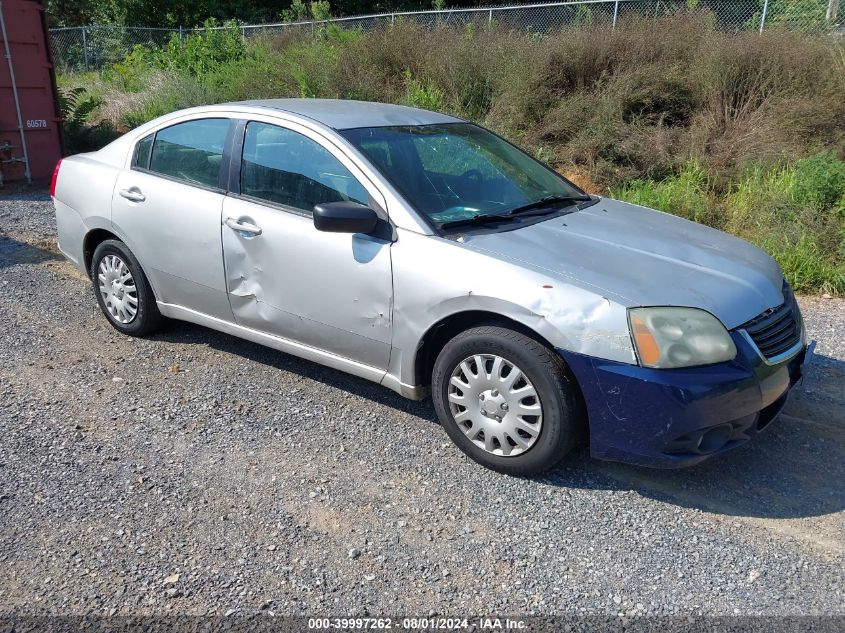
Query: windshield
457,171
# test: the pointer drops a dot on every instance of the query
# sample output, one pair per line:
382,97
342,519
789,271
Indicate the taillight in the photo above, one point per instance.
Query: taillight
55,178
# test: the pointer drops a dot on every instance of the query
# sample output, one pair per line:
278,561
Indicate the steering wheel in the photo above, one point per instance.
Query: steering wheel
473,175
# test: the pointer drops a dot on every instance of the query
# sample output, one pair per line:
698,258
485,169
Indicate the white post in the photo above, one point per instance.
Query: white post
615,14
490,17
85,47
832,10
763,16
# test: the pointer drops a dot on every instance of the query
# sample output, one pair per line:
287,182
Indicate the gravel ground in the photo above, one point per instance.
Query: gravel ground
196,473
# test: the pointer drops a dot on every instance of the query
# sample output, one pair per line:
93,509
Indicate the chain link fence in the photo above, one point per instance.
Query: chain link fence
92,47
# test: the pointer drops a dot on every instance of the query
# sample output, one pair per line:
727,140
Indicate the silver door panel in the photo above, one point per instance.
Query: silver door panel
331,291
175,234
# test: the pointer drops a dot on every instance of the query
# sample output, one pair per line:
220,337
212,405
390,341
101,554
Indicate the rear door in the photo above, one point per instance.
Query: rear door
168,206
331,291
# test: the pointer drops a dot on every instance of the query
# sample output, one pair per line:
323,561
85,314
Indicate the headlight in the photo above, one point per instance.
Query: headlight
679,337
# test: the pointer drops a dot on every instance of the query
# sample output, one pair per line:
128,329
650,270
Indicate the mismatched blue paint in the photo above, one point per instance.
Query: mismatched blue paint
634,412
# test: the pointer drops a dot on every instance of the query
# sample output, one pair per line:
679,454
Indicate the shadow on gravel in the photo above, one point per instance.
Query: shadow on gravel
20,191
795,469
182,332
14,251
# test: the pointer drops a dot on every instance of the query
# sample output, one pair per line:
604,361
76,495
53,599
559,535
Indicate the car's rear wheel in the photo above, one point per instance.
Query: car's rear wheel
506,400
122,290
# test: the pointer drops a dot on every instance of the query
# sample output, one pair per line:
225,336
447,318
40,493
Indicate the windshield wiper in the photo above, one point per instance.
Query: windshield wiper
547,201
487,218
481,218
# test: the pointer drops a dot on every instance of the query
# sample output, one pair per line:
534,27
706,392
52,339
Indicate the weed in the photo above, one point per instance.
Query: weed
688,195
79,134
422,94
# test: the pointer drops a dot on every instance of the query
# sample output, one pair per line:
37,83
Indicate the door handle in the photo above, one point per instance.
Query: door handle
133,193
243,227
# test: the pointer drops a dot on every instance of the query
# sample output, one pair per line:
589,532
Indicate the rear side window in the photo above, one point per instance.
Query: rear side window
191,151
288,168
142,152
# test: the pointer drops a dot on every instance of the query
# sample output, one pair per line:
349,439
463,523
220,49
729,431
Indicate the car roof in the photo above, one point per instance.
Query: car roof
342,114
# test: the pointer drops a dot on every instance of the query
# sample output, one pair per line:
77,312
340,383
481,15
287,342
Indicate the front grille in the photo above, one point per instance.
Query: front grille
777,329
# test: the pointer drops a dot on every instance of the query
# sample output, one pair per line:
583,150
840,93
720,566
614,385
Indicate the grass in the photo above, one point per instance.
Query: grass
744,132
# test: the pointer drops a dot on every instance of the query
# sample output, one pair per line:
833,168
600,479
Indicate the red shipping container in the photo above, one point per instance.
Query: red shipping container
26,69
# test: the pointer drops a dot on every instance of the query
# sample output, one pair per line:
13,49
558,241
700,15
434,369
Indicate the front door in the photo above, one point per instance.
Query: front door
331,291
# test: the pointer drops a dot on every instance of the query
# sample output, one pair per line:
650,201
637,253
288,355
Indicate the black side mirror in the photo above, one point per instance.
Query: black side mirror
344,217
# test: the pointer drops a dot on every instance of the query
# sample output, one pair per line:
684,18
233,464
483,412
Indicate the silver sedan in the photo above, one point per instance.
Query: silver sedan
425,253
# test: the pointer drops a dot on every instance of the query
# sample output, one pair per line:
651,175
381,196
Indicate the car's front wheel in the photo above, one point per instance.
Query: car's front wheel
506,400
122,290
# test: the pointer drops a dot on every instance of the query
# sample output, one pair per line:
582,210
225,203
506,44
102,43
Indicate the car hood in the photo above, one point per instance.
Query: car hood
642,257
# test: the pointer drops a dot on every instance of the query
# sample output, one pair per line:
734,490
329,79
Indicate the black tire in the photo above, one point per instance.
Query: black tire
147,318
563,417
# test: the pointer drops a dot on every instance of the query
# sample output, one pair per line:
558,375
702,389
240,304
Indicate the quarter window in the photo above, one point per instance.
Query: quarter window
191,151
288,168
142,152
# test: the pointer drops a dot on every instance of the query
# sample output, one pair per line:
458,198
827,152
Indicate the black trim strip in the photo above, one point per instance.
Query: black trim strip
133,164
223,173
236,150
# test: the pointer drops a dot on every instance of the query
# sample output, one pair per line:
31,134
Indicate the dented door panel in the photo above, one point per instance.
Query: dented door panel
328,290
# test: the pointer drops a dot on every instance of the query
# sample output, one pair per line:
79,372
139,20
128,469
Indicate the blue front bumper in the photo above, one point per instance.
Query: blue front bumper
669,418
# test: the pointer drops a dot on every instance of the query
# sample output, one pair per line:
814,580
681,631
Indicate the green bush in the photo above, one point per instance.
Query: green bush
173,92
819,180
299,11
201,53
806,266
79,134
688,195
802,15
423,95
132,73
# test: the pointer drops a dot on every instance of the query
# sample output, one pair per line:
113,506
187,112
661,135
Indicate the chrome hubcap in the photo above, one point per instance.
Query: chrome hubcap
118,289
495,404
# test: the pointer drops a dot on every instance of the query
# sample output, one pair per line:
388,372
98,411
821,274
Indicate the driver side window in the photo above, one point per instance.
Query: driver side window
285,167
